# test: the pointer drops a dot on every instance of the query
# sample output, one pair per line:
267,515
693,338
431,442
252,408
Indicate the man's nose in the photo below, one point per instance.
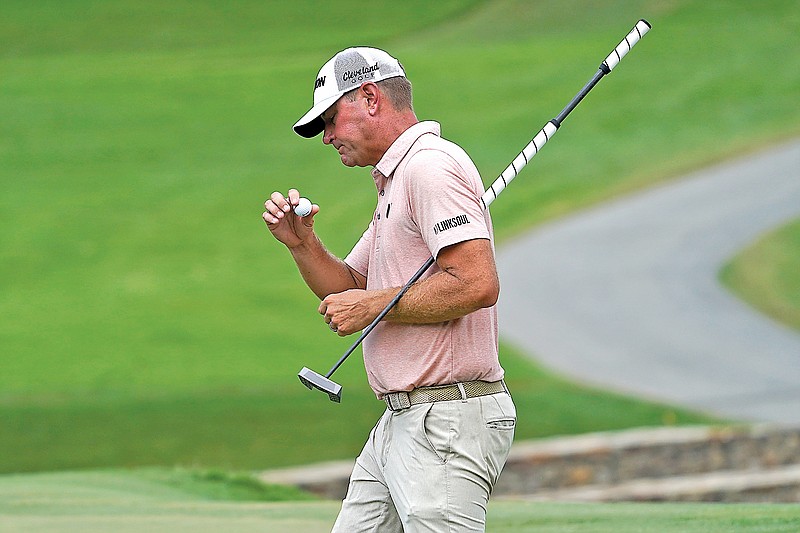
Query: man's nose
327,134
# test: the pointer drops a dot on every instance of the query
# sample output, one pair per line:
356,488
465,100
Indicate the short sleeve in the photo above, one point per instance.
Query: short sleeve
445,199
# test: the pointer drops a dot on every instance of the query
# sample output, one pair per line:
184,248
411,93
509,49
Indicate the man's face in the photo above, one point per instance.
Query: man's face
346,129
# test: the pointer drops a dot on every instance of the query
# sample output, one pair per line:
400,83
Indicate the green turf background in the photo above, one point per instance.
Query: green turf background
148,317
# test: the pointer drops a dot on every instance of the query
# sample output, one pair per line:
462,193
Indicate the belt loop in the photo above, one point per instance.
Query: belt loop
463,391
397,401
404,399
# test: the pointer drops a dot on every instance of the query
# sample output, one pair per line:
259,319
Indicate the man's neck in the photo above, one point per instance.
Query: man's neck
395,127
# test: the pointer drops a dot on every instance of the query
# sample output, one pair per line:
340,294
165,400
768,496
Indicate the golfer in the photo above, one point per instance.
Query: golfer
434,456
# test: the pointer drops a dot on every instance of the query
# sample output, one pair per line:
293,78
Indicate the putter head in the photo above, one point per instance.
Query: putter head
312,380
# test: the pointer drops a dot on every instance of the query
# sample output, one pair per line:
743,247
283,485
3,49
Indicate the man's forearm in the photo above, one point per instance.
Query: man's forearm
438,298
466,282
323,272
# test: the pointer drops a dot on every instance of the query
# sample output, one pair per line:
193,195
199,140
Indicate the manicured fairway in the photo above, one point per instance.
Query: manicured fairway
103,502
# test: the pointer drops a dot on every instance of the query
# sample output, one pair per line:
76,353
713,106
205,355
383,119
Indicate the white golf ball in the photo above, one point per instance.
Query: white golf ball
303,207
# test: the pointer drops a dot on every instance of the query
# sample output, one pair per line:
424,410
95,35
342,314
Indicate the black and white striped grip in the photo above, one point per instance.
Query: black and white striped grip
522,159
638,31
550,129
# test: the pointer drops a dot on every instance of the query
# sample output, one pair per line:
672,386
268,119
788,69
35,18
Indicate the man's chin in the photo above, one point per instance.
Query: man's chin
346,161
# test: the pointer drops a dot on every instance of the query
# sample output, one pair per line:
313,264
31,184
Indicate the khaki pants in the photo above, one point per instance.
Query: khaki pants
430,468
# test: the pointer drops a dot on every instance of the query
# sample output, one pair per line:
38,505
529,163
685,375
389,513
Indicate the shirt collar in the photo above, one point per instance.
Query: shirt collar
400,147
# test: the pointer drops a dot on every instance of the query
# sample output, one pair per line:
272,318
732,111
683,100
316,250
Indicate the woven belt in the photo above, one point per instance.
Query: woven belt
397,401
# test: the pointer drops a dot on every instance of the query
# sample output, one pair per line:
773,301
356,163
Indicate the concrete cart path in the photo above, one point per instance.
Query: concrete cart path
626,295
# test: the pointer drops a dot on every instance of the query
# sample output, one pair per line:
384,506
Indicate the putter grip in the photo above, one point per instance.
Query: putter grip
522,159
627,43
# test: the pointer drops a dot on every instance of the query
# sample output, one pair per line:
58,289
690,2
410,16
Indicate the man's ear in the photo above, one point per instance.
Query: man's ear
372,96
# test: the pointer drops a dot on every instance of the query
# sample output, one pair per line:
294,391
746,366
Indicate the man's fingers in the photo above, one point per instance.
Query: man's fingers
328,316
294,197
280,202
275,208
269,218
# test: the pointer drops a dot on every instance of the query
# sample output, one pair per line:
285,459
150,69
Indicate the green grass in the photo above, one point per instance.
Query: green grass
130,502
148,318
220,485
265,428
767,274
511,517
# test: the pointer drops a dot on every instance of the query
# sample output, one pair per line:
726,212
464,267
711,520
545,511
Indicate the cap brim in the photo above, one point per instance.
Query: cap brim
310,129
311,124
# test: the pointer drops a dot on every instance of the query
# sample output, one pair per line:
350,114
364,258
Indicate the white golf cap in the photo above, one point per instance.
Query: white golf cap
344,72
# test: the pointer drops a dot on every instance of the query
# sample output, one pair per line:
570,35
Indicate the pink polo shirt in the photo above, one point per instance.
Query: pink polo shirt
428,198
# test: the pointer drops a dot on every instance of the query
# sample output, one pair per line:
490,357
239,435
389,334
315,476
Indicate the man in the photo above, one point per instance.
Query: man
433,458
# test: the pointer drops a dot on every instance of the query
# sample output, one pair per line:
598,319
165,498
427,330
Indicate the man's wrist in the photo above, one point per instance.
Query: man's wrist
382,298
305,246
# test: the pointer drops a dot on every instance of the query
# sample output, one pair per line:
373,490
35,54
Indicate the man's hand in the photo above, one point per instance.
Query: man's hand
290,229
352,310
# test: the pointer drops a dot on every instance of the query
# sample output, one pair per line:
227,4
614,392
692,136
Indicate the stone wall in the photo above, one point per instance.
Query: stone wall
616,457
749,463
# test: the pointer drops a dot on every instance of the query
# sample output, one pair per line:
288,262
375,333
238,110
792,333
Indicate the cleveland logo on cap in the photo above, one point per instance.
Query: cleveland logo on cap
342,73
360,74
351,68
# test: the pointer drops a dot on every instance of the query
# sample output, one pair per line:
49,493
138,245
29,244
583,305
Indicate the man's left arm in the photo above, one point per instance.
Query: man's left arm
467,281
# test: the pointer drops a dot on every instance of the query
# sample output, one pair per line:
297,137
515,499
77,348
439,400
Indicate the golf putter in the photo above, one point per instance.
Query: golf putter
313,380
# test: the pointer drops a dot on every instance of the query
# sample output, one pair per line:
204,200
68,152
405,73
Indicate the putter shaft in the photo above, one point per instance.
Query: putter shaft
313,380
